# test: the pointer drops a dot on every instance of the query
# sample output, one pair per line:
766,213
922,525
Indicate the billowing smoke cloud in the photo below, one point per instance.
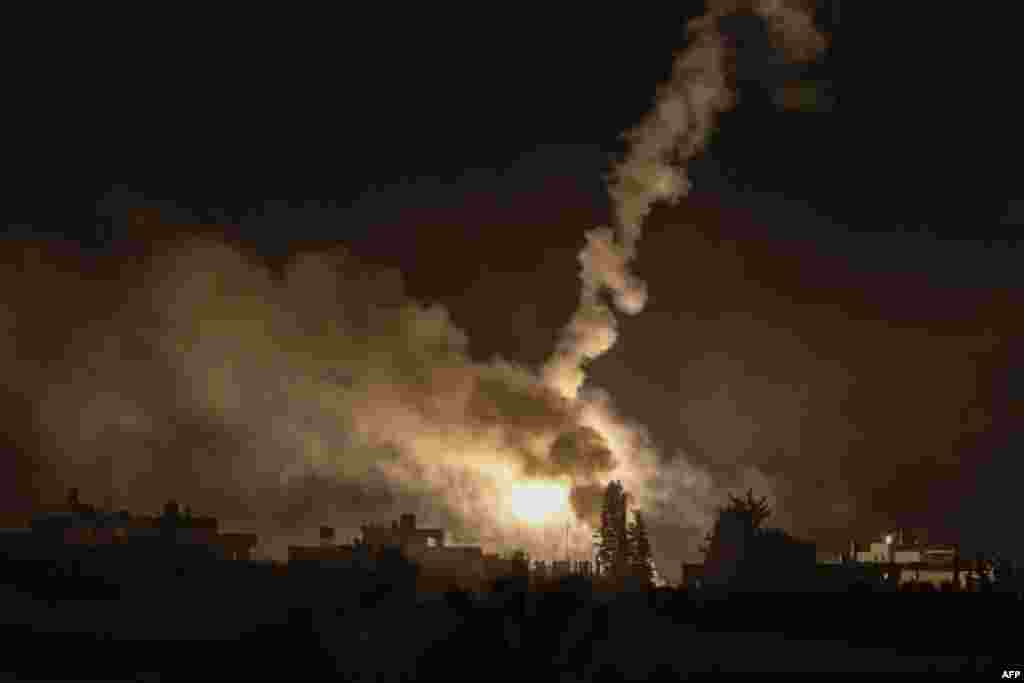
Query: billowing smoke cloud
349,379
320,393
315,393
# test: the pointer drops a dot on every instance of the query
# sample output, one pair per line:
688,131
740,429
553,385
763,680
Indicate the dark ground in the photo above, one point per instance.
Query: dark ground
239,620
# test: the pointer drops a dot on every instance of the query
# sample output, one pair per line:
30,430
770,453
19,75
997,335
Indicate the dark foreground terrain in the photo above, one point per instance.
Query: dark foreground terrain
241,620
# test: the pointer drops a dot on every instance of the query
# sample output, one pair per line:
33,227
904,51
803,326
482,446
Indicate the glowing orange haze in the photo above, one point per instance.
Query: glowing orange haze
255,357
537,502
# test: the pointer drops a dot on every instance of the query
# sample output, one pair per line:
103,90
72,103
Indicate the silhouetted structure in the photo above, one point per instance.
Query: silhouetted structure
693,575
497,566
909,558
366,618
86,526
402,534
440,565
740,555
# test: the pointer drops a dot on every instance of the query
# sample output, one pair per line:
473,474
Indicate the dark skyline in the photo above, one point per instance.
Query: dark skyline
836,304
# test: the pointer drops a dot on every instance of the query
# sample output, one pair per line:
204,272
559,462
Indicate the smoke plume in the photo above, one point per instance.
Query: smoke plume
674,131
318,392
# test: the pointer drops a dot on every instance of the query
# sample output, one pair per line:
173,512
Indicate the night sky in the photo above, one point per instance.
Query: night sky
833,313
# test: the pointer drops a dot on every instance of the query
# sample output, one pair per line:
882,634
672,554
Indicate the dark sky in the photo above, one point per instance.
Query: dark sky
837,302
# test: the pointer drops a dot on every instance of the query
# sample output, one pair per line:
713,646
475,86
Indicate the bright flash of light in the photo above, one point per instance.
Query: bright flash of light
538,502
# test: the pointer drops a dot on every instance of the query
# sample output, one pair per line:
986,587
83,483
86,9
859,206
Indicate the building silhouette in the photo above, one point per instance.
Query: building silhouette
909,557
82,526
440,565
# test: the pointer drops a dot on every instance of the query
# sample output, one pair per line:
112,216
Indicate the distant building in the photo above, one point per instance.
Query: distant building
496,566
81,525
915,560
693,575
907,556
427,548
402,534
744,557
440,565
554,570
237,546
330,555
825,557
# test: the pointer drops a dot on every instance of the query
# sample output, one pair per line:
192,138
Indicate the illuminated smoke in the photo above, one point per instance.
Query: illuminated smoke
317,394
674,131
323,394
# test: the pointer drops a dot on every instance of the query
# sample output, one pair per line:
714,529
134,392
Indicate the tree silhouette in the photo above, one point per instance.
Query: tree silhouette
737,545
1006,575
623,550
640,547
612,538
604,536
981,569
756,510
750,512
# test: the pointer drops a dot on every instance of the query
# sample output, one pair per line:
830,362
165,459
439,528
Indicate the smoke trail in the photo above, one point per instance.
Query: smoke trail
323,393
675,130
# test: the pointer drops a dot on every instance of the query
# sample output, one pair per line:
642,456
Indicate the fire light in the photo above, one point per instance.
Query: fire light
537,502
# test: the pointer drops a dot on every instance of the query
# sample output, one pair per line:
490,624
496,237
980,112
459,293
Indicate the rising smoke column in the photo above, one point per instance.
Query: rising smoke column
675,130
324,393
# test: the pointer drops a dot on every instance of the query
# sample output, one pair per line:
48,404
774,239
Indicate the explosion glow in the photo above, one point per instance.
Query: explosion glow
324,394
539,502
